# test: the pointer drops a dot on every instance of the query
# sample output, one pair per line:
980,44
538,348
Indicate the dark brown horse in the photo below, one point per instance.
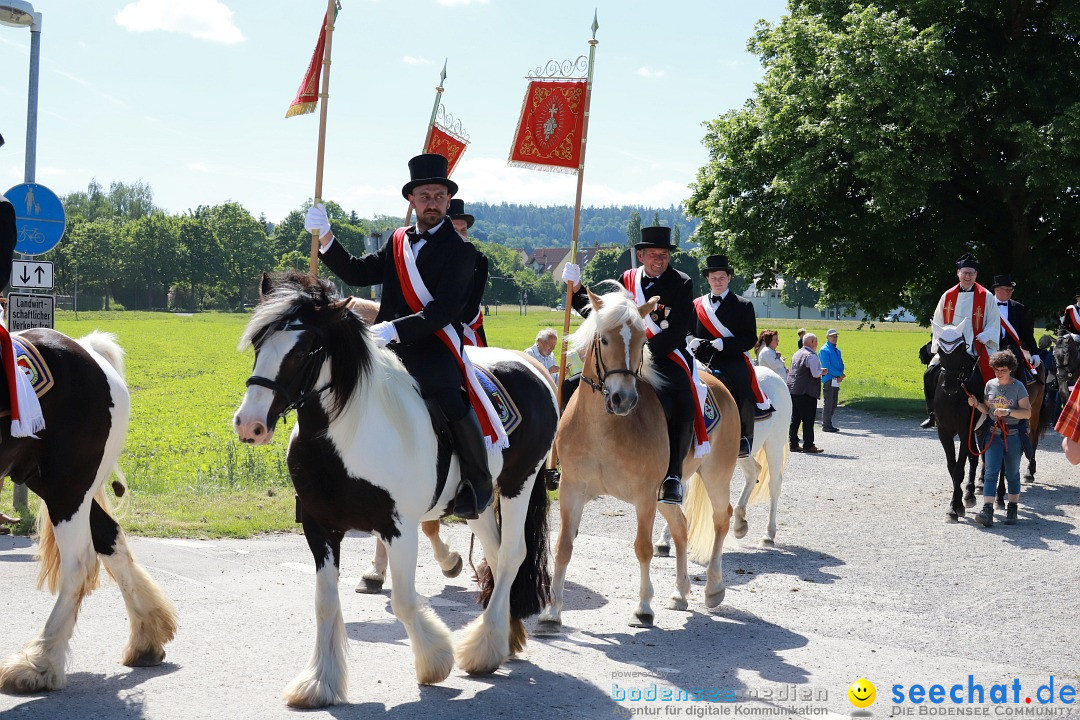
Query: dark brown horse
66,465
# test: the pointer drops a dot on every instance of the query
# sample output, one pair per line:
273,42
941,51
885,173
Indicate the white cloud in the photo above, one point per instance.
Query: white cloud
455,3
203,19
411,60
650,74
198,167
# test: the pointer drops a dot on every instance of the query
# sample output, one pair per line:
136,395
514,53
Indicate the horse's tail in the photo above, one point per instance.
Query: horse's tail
48,553
105,345
529,593
700,530
760,491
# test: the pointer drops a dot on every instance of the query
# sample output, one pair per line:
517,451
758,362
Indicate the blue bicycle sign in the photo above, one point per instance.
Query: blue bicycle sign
39,218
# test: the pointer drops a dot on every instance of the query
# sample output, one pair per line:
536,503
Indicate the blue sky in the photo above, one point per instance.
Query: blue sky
190,96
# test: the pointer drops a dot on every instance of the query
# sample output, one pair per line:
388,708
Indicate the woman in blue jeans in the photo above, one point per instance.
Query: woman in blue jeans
1007,404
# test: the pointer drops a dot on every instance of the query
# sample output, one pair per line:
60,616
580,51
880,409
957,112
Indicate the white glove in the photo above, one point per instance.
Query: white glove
316,220
384,333
571,273
693,344
718,343
983,337
1036,361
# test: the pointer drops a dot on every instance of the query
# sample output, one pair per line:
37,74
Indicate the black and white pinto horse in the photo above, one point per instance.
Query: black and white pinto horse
365,454
86,418
1066,363
955,418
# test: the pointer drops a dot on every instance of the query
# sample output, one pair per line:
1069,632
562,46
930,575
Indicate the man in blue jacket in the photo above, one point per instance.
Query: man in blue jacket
832,366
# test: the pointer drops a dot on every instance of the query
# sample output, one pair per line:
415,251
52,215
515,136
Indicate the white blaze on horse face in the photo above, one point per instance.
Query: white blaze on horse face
251,422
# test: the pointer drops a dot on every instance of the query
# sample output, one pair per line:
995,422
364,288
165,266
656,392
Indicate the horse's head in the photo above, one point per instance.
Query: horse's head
1067,361
298,326
956,360
611,342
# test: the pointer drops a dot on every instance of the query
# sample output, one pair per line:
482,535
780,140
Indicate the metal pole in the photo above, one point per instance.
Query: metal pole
431,124
32,100
76,301
331,13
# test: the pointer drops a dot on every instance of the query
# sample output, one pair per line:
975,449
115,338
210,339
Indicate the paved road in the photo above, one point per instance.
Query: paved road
867,580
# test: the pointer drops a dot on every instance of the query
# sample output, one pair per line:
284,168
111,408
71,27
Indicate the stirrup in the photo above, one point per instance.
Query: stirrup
671,491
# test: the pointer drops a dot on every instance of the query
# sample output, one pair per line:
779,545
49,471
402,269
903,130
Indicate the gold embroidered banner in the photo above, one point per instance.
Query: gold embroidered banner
307,97
549,133
447,144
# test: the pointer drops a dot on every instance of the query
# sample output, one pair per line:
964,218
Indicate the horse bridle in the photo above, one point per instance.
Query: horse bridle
958,374
301,388
602,373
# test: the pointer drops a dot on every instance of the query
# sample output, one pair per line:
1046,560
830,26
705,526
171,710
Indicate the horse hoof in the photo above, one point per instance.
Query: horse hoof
738,529
369,587
767,542
713,600
999,504
147,658
951,517
641,620
678,603
451,573
969,501
662,550
1029,479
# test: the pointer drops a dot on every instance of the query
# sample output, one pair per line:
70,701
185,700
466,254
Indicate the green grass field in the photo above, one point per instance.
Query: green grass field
190,477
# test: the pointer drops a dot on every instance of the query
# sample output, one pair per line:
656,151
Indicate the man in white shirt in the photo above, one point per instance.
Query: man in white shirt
543,350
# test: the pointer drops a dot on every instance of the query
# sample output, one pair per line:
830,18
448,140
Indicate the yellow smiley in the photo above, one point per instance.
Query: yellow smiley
862,693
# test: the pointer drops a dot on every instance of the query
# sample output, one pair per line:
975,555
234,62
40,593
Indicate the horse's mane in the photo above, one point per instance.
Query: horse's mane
618,309
352,355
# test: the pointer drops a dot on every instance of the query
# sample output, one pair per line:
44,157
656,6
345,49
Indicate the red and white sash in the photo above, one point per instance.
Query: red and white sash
417,296
471,331
1072,314
1016,339
631,280
978,314
26,417
708,318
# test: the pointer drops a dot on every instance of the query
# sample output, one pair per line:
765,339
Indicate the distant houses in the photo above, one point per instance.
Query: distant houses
550,261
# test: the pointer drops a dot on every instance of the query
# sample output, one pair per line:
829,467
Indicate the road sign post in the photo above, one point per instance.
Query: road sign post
32,274
39,218
26,312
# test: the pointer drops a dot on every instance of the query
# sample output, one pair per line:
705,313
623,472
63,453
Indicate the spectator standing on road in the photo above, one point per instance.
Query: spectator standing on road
832,373
805,387
767,353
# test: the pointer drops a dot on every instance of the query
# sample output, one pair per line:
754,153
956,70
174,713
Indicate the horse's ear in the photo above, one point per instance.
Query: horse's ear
649,306
594,300
265,285
960,326
339,307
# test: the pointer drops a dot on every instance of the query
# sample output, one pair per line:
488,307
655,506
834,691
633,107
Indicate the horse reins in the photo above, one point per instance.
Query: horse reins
602,372
301,388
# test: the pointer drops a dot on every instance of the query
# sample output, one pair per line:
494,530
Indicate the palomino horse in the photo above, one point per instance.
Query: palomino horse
955,418
366,454
86,418
450,563
611,441
763,469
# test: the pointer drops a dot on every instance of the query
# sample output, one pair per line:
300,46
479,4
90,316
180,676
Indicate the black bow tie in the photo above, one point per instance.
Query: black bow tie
417,237
715,298
1006,304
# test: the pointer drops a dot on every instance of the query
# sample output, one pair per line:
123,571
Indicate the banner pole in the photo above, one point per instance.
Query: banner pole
325,95
552,460
431,124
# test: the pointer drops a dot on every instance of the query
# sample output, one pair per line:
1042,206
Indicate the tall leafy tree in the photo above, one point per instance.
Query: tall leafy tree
886,140
633,229
798,294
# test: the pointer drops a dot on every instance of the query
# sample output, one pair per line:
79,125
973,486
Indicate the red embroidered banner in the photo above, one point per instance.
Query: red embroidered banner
307,96
447,144
549,133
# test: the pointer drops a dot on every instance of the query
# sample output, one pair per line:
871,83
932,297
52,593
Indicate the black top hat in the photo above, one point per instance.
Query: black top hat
457,212
967,261
428,169
656,236
1,140
717,262
1000,280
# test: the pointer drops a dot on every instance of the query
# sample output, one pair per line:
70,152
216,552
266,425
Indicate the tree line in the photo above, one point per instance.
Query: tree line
120,251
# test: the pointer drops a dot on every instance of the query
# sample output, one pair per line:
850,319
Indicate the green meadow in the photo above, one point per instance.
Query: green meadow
190,477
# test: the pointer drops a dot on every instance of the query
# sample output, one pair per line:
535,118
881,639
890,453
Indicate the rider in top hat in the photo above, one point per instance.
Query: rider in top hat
667,327
472,317
1070,323
724,332
427,276
1017,329
971,301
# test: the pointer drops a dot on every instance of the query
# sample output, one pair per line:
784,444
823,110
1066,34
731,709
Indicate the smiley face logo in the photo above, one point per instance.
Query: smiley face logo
862,693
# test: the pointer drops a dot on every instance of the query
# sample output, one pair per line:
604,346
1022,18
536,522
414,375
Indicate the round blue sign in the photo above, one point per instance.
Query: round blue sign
39,218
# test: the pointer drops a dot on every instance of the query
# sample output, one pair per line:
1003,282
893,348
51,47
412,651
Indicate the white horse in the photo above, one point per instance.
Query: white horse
763,469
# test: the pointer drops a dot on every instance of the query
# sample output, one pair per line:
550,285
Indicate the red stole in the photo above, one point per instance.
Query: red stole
412,286
708,318
978,313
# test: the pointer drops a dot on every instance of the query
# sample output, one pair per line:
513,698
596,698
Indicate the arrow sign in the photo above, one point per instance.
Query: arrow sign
32,274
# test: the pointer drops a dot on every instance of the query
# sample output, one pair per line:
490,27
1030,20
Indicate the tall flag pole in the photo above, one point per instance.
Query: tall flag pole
431,123
551,136
306,100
